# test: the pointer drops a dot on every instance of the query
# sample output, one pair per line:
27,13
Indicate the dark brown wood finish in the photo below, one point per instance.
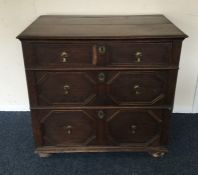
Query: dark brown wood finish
58,88
120,127
101,27
156,53
101,83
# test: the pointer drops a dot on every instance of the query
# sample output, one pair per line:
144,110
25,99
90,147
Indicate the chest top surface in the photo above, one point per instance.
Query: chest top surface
101,27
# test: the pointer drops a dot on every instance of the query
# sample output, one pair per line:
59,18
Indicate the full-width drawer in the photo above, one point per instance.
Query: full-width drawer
100,126
98,53
94,88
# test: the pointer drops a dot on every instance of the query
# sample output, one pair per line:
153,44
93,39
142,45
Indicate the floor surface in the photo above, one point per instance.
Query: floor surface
17,153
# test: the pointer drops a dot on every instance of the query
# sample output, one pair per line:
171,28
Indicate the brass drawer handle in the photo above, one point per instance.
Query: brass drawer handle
101,76
133,129
138,56
136,87
66,89
68,129
101,114
64,56
102,50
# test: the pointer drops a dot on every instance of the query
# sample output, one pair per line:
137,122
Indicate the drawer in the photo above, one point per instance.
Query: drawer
100,126
140,54
92,88
57,54
136,126
97,53
66,127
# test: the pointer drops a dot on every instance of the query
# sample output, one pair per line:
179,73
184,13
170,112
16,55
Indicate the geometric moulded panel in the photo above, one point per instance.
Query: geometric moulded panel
67,127
137,88
127,127
65,88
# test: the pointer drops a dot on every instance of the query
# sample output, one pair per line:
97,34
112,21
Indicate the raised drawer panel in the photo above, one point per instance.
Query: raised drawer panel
140,88
140,54
68,127
65,88
127,127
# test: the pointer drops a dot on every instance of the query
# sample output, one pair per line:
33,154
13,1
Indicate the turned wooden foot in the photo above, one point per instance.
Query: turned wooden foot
43,155
157,154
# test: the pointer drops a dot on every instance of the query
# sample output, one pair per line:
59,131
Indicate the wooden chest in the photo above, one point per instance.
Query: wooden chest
101,83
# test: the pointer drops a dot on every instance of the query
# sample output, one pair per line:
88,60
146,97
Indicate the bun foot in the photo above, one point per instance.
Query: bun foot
43,155
157,154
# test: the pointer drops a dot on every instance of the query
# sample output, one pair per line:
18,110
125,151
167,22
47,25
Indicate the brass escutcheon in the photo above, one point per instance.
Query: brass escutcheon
101,76
102,49
101,114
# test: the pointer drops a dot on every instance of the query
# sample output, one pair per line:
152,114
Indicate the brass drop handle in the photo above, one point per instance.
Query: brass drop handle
101,76
138,56
68,129
133,129
136,87
101,114
66,89
102,50
64,56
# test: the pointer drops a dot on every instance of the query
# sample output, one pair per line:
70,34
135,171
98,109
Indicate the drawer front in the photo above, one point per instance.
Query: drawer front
67,127
92,88
97,53
136,126
140,54
57,55
104,127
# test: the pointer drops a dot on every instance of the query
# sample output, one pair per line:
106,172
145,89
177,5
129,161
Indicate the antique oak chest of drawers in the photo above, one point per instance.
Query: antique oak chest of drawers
101,83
